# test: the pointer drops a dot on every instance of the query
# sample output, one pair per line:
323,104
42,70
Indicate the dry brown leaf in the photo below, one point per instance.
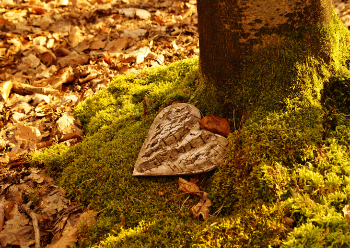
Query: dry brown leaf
346,211
43,144
70,233
2,216
188,13
43,109
88,217
128,12
27,133
288,221
66,124
117,45
48,58
8,209
22,107
31,61
159,20
5,89
201,210
54,203
39,41
73,60
88,78
35,176
26,89
142,14
188,187
69,238
76,36
16,230
97,44
134,33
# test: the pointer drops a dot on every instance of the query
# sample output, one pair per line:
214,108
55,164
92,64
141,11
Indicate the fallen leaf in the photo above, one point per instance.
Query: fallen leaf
70,233
288,221
117,45
346,211
188,187
134,33
201,210
5,89
128,12
54,203
142,14
31,61
159,20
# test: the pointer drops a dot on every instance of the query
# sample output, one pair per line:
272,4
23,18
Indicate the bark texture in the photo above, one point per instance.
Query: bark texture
229,30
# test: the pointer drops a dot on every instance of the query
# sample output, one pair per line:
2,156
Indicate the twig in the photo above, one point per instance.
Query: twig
69,211
172,198
184,202
2,216
286,129
135,199
86,181
26,207
234,121
25,6
105,208
219,210
71,45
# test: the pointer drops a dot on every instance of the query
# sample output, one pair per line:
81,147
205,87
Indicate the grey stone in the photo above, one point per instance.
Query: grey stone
175,145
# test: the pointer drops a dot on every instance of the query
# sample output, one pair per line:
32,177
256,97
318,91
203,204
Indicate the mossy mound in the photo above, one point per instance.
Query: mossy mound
288,172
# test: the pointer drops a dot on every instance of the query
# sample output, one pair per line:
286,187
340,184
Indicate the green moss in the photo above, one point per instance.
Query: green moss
289,158
53,157
124,98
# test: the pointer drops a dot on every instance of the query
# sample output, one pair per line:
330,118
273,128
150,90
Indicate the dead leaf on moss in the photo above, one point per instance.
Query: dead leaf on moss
70,233
288,221
188,187
346,211
201,209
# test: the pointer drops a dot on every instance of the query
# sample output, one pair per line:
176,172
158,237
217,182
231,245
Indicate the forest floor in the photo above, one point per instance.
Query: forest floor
54,55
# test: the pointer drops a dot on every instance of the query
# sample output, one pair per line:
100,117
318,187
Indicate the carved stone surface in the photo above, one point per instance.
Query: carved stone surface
175,144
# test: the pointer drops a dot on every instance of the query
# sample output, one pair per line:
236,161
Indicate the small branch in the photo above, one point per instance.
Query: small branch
2,216
71,45
105,208
234,121
135,199
184,202
172,198
26,208
25,6
26,89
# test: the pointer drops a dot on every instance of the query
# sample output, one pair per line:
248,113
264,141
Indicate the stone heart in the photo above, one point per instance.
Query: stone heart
175,144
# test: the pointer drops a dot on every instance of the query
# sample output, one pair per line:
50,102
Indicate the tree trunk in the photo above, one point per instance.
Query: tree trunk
229,30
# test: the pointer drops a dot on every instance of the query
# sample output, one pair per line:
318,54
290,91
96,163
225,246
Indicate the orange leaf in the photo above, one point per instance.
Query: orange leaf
129,60
4,22
39,11
158,19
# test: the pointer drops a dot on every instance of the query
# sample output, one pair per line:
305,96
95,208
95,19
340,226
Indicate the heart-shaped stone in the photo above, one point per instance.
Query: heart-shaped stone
175,144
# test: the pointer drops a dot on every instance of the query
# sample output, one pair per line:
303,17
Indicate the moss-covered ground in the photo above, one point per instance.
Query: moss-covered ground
288,173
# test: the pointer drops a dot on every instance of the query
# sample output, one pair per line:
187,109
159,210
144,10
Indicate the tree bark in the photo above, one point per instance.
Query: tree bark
229,30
